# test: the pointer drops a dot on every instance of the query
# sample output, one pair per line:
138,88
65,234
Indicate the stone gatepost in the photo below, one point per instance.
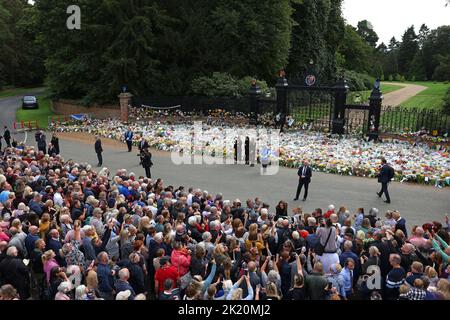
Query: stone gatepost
125,100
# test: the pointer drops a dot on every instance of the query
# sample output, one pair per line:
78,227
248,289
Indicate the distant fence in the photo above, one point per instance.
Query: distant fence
194,104
405,120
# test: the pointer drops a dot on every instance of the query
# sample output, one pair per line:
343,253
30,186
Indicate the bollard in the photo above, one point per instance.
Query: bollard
14,125
21,124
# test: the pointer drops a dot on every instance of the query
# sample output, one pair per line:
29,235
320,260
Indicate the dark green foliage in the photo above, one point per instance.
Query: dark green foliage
447,102
355,51
21,59
442,71
317,31
359,81
223,85
407,51
366,32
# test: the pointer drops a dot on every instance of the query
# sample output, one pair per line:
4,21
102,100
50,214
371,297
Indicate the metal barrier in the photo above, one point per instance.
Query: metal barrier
25,125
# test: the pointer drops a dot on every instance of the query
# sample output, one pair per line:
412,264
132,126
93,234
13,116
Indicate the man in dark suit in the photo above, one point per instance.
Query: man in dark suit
129,139
305,174
7,137
384,177
142,146
147,162
98,151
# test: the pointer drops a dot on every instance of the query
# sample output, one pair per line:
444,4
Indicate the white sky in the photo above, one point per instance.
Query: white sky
392,17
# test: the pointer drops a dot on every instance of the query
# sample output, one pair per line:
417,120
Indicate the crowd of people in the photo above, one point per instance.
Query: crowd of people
417,163
70,232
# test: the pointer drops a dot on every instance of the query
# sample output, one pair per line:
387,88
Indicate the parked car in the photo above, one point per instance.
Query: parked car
30,102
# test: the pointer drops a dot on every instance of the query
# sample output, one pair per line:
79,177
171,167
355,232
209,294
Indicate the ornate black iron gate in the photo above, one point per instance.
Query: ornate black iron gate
321,108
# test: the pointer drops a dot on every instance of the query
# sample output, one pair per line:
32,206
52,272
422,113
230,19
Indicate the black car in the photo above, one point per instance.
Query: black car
30,102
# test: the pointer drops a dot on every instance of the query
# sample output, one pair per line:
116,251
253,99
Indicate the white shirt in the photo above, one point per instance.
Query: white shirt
57,199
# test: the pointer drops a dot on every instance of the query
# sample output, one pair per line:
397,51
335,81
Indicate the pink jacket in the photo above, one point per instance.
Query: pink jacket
48,266
4,236
181,260
61,296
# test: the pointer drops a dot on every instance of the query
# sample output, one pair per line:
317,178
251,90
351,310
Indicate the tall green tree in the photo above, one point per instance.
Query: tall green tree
21,58
436,45
407,51
366,31
356,53
317,32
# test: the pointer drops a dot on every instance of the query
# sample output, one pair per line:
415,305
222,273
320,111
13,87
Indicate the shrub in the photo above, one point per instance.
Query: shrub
446,105
224,85
359,81
391,78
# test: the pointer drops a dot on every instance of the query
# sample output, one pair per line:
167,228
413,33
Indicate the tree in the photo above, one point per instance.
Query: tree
382,48
437,44
21,58
442,71
365,30
356,53
422,37
316,34
407,50
393,44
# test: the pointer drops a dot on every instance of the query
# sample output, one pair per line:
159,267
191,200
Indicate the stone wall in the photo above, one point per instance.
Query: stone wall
67,107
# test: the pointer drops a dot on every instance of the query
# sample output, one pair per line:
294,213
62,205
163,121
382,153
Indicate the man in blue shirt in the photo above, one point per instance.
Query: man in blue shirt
31,239
129,139
36,204
347,274
105,277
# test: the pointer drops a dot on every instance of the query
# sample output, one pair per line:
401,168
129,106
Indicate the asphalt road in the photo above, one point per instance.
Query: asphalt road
8,108
417,203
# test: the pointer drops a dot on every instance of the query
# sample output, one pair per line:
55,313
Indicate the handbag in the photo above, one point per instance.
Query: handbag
320,249
184,281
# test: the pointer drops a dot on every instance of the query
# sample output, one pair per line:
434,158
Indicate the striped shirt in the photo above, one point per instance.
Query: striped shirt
395,278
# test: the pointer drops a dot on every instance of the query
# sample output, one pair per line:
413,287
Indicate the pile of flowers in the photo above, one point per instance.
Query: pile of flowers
331,154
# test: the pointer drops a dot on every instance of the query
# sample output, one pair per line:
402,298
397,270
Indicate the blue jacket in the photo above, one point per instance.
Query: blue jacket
105,278
129,135
121,285
36,207
29,242
88,249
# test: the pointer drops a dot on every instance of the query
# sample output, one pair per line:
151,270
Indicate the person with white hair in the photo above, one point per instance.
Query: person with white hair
96,221
81,292
264,217
207,244
122,283
193,230
63,290
14,272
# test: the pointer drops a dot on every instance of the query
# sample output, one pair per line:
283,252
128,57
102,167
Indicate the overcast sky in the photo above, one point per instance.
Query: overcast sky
392,17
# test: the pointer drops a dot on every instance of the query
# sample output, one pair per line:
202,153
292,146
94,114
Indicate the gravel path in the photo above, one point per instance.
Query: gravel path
396,98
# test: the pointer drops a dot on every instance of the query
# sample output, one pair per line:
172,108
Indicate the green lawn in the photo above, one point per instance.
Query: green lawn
41,114
431,98
15,91
386,88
